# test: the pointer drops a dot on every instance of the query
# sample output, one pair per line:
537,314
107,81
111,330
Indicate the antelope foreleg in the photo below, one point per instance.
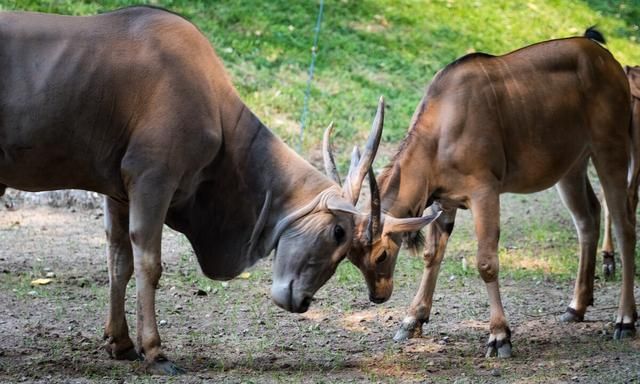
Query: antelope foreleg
437,236
149,202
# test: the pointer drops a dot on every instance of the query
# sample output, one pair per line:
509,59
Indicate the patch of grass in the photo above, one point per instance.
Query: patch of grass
366,49
348,274
20,285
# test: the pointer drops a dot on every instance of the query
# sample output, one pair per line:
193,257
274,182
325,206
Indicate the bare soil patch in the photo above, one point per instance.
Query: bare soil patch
53,333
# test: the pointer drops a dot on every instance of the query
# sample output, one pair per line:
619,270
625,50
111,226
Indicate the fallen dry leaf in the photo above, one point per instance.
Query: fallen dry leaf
37,282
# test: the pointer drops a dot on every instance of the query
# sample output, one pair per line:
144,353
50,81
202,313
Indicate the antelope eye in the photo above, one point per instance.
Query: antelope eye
338,233
381,258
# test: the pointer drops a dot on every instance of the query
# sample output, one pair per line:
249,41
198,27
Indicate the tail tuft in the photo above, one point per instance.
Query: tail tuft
593,34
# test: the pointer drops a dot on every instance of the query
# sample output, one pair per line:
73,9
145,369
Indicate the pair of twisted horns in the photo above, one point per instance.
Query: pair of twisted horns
360,167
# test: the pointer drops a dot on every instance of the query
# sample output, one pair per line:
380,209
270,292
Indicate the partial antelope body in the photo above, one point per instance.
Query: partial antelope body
517,123
135,104
608,257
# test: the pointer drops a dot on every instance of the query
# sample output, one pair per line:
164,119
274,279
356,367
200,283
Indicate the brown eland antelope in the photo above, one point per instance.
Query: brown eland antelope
608,259
517,123
135,104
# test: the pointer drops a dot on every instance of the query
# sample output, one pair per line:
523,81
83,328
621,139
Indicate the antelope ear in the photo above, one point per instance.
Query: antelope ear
338,204
633,74
412,224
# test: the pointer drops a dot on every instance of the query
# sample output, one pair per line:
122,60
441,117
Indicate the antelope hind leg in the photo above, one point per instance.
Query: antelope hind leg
120,262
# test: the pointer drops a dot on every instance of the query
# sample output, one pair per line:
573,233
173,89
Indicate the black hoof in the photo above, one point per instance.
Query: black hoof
129,353
608,265
499,348
163,366
571,316
409,329
624,331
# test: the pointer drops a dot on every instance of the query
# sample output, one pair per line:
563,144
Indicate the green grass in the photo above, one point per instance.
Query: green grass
366,49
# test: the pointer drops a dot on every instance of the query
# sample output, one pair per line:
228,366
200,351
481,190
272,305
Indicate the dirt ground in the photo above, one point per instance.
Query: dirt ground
231,332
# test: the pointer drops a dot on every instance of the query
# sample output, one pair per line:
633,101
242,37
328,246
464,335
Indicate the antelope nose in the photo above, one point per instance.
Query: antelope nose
304,304
284,295
281,292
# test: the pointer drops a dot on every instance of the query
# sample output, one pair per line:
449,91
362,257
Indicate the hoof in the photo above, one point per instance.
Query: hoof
608,265
128,352
571,316
499,348
163,366
624,331
410,328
